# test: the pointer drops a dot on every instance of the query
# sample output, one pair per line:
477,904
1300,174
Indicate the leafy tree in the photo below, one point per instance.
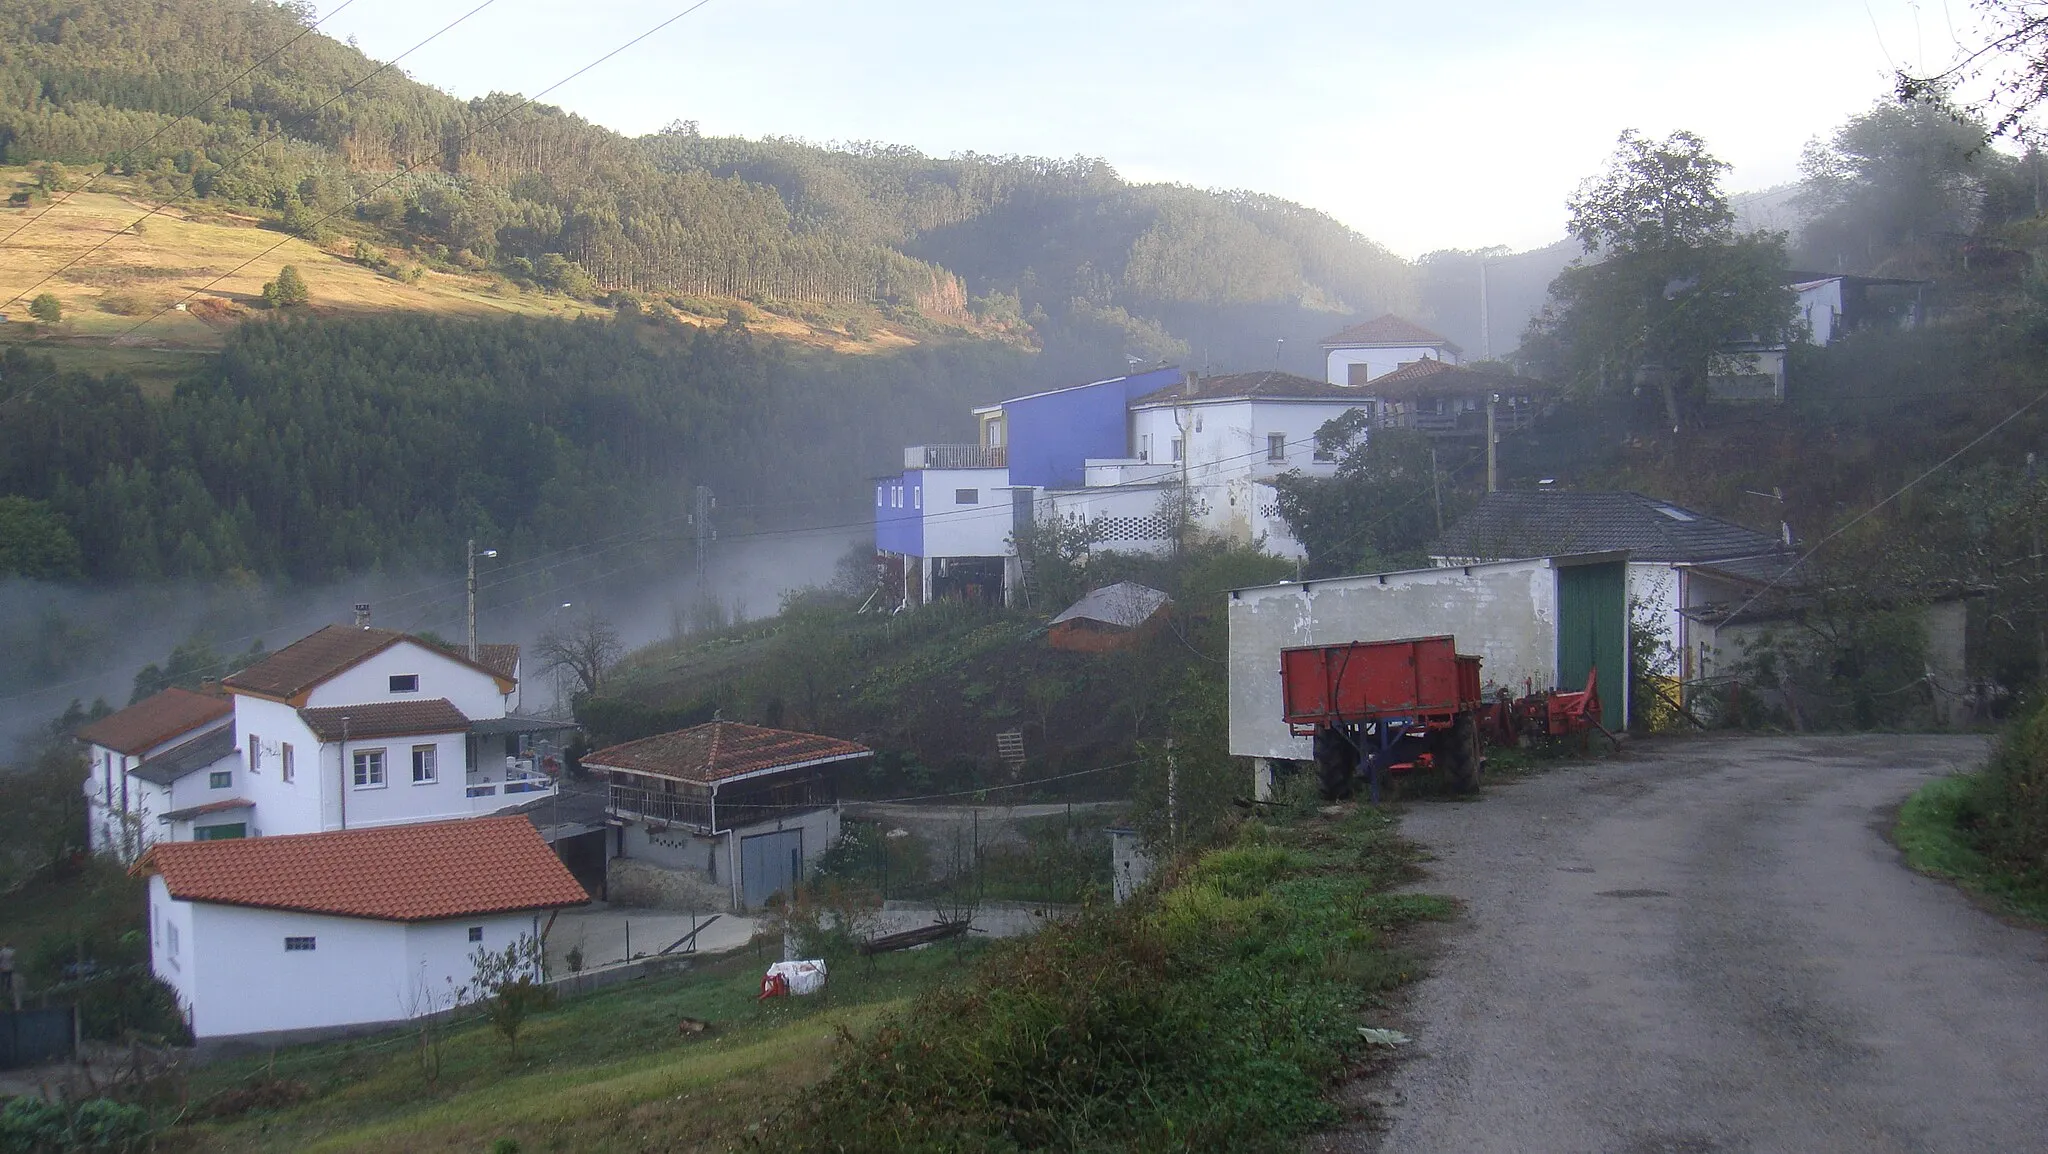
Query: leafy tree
1674,285
287,290
509,985
1898,175
192,663
1379,510
46,308
2008,61
34,542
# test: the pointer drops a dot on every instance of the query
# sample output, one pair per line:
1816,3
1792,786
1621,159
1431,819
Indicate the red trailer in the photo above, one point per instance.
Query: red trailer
1384,705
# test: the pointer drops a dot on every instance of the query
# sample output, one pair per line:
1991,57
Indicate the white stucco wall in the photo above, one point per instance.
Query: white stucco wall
236,977
1504,612
473,691
956,529
1379,362
107,773
295,806
171,956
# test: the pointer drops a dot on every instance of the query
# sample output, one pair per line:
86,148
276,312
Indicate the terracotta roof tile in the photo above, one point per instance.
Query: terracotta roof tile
312,659
405,873
1387,331
154,720
1429,377
1251,386
386,719
720,751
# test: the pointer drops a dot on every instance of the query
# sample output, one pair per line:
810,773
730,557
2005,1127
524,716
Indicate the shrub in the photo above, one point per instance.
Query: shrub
46,308
288,290
2009,811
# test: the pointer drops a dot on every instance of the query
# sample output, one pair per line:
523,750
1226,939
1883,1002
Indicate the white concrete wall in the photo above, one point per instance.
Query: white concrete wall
1504,612
954,529
1125,471
399,801
171,954
472,690
1379,362
301,805
1821,308
243,981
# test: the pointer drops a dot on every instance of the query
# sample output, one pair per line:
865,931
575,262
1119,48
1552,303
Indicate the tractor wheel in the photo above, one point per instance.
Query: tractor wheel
1464,761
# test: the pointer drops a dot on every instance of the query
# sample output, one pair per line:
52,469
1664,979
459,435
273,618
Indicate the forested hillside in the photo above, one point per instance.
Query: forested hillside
319,139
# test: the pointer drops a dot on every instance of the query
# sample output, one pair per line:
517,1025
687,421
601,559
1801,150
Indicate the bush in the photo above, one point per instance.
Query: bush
33,1126
46,308
288,290
2009,811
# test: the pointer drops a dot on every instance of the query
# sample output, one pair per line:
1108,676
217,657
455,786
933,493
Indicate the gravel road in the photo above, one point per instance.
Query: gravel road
1710,946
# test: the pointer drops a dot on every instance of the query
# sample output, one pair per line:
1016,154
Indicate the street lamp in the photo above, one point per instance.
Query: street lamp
473,555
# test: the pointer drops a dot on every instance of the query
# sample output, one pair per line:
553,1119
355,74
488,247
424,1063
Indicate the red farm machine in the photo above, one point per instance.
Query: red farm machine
1376,707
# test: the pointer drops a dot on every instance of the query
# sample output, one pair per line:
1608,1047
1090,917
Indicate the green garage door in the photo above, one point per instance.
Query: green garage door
1592,632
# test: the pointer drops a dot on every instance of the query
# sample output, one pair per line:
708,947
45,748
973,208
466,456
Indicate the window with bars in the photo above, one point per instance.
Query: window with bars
298,945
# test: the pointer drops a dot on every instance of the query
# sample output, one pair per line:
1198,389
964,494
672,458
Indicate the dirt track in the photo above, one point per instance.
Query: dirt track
1710,946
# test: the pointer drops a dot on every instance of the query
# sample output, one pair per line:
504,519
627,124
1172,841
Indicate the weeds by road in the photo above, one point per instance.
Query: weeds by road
1933,832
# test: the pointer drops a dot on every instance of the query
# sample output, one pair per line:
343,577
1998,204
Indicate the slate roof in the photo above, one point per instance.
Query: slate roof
312,659
721,751
1266,386
188,756
1545,523
1388,331
1434,378
1126,604
386,719
405,873
155,720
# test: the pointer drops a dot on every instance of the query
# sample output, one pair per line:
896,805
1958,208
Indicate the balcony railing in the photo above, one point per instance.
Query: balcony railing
693,812
519,776
956,457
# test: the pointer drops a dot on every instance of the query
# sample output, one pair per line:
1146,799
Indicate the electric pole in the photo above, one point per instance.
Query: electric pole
1492,468
473,555
1485,328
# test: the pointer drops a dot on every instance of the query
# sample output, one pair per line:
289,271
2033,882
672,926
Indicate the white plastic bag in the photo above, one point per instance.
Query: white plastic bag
806,977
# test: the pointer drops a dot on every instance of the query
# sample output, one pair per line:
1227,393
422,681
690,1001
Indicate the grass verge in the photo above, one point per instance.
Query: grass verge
1934,834
1212,1012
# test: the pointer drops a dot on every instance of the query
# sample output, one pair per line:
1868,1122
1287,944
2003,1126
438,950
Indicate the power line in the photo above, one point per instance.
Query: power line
243,155
209,98
403,171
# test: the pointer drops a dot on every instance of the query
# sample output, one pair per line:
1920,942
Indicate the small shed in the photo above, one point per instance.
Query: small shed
1108,618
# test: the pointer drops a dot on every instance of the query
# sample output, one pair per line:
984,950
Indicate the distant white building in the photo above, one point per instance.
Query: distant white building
311,933
161,769
1377,347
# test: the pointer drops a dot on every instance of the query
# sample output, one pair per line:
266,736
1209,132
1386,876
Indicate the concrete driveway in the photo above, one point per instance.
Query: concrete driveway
603,932
1711,946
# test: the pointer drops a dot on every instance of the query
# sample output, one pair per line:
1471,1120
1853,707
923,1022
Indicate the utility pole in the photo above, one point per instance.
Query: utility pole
1172,796
701,518
1492,466
1485,327
1436,494
473,555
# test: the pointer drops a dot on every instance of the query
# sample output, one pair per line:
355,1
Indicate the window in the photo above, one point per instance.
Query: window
917,496
1145,447
1176,448
255,754
405,683
369,768
1276,446
1324,452
476,933
878,496
967,496
171,940
298,945
284,761
221,779
1357,373
422,765
229,832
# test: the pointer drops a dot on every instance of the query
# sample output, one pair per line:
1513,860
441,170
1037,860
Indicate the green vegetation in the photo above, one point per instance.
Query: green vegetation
604,1071
288,290
46,308
1211,1013
1988,830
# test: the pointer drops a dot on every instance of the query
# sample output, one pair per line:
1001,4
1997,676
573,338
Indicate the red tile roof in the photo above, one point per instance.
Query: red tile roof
1388,331
1260,386
305,663
720,751
386,719
154,720
401,873
1431,378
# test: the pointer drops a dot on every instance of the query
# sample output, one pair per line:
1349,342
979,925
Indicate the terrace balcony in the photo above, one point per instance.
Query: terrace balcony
956,457
693,810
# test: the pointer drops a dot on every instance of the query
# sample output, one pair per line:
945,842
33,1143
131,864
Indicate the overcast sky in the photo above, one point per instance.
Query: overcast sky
1424,125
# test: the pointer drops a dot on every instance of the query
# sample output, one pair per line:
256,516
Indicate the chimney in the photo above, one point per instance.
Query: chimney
1190,380
362,615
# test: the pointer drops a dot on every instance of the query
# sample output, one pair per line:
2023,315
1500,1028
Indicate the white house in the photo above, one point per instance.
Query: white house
353,727
322,932
163,768
1377,347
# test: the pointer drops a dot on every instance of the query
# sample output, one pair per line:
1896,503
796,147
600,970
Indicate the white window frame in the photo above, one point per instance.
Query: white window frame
476,933
1276,446
284,761
917,496
429,764
171,940
1179,447
967,496
398,677
361,764
220,779
255,754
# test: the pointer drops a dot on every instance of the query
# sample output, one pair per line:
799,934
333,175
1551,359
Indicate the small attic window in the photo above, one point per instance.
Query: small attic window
405,683
1675,514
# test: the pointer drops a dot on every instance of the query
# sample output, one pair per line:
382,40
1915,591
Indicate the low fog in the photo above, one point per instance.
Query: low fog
80,645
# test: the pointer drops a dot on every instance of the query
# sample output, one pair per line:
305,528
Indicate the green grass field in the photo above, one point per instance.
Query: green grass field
606,1071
